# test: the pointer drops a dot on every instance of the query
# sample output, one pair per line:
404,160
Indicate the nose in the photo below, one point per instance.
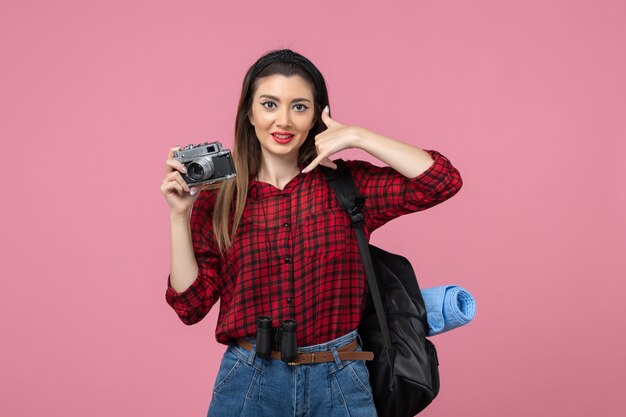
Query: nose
283,118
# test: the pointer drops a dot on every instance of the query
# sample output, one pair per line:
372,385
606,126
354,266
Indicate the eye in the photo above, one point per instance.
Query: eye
300,107
269,105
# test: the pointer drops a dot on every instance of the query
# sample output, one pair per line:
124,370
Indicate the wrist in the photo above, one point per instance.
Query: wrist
364,139
359,136
180,218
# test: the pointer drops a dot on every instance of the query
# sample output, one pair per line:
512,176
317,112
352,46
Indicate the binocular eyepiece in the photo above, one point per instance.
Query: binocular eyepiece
289,347
264,335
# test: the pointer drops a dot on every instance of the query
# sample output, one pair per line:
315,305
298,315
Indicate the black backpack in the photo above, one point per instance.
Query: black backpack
404,374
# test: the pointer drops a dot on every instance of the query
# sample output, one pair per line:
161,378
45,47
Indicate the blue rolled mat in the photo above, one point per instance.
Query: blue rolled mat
448,307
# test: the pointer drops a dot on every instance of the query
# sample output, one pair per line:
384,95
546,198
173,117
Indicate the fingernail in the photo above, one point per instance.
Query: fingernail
184,170
304,171
193,191
327,110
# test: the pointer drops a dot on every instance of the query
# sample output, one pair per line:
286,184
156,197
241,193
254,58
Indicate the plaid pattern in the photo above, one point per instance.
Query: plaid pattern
295,255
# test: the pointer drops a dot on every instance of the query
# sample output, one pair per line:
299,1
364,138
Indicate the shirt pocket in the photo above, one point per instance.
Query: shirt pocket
325,234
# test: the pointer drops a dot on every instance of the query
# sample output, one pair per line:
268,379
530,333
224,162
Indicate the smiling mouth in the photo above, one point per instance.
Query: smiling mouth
282,138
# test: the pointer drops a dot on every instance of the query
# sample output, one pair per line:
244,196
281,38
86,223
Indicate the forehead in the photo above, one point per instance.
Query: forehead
283,87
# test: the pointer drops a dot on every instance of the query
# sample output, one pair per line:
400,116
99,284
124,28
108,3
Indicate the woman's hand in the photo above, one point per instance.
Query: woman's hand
177,193
408,160
334,139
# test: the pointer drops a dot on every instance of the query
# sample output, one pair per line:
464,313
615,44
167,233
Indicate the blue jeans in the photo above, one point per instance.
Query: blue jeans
249,386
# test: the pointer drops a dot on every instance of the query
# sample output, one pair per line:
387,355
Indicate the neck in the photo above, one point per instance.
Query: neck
278,171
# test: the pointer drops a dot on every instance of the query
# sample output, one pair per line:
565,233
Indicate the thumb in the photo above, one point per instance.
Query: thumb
195,191
326,116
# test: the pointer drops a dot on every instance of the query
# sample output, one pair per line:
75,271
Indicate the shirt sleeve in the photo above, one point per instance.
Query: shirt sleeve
389,194
193,304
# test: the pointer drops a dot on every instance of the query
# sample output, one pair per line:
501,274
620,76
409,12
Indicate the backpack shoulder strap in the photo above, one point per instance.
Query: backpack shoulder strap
345,190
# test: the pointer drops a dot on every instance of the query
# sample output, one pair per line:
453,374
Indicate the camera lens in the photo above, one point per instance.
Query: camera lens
201,169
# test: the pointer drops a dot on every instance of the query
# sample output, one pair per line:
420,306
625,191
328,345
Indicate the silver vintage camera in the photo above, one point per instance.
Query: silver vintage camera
206,163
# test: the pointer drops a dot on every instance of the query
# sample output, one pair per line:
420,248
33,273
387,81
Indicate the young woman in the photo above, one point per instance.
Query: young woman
274,242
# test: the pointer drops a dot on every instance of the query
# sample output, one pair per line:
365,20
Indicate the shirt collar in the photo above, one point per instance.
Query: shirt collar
260,190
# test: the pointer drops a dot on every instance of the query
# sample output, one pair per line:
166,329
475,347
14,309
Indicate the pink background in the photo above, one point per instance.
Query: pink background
528,100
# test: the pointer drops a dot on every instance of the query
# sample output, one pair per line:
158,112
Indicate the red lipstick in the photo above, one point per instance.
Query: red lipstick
282,137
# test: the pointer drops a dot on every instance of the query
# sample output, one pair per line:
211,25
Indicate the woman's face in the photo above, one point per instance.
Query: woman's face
282,113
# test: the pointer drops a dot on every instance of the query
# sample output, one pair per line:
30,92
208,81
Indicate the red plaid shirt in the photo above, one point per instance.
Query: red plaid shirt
295,255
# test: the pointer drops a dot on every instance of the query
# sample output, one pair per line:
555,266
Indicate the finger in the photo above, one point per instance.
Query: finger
173,164
172,186
170,157
326,116
195,191
175,176
313,164
172,150
328,163
182,183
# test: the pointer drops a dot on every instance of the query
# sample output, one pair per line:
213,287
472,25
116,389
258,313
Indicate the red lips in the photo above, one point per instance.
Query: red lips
282,137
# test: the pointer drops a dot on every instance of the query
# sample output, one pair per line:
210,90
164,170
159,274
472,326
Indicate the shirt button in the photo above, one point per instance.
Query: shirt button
289,301
285,194
286,225
287,259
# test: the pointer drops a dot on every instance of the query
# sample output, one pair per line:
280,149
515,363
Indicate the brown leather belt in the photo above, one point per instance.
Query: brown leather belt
346,353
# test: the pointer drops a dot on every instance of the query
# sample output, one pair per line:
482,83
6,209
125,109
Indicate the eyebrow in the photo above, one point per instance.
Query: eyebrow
277,99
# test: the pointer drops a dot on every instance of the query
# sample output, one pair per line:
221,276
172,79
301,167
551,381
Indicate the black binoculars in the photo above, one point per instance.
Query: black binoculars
264,336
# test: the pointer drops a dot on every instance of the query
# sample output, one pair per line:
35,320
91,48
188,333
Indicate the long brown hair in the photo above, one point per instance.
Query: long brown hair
247,150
